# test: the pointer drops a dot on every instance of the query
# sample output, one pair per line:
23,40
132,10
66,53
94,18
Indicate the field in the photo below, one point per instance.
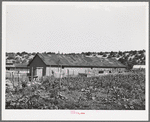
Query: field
108,92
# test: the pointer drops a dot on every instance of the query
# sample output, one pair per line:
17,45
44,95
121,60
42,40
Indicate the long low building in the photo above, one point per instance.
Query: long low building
65,65
15,70
22,68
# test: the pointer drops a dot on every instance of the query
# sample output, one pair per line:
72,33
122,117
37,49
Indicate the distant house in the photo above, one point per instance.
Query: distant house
22,68
9,60
65,65
139,67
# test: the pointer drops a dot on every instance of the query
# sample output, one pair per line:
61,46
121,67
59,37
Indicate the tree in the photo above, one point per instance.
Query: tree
33,53
134,61
141,52
122,60
29,60
50,53
18,53
133,52
113,56
109,56
24,61
100,53
23,53
120,53
88,53
18,61
112,53
83,53
143,62
29,54
129,65
6,54
117,56
11,55
104,55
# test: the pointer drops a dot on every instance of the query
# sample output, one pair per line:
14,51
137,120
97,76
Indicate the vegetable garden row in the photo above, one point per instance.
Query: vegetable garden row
108,92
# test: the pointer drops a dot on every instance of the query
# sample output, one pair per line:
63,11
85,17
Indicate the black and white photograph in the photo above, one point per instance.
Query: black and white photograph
75,60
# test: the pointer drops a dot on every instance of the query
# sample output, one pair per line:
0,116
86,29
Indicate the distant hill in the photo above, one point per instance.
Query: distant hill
128,58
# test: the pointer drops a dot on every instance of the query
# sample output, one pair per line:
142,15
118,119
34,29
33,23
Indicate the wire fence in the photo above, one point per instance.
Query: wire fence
16,78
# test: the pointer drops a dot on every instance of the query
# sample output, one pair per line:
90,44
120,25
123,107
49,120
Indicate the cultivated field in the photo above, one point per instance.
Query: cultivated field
108,92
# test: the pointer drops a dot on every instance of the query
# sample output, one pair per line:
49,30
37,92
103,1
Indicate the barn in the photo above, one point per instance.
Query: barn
63,65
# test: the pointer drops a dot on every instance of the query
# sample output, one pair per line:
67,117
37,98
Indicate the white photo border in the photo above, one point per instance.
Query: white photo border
90,115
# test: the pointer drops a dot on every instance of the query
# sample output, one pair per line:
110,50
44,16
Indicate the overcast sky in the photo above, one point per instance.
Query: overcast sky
76,27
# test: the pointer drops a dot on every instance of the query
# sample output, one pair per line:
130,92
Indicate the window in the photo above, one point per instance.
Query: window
52,72
101,72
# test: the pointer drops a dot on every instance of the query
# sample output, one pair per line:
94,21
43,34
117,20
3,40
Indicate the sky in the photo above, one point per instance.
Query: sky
75,27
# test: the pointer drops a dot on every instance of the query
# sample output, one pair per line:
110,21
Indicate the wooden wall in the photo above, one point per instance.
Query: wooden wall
37,62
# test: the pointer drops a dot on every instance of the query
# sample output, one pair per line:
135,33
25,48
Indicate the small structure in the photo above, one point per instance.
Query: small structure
139,66
63,65
22,68
16,71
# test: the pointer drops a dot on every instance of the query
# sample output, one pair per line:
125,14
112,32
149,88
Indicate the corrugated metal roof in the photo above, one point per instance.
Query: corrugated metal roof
79,60
21,65
24,65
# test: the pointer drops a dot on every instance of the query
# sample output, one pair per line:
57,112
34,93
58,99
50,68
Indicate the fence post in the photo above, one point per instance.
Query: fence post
60,77
13,80
18,80
73,72
68,72
50,71
32,75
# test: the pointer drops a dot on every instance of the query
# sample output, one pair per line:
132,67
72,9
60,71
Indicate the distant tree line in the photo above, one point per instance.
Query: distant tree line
128,58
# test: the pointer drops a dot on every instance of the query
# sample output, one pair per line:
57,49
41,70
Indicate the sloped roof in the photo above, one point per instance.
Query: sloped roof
139,66
23,65
79,61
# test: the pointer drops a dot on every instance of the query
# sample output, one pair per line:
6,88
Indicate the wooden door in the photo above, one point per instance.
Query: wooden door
39,72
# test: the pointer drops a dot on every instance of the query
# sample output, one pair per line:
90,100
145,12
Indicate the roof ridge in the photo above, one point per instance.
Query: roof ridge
79,60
